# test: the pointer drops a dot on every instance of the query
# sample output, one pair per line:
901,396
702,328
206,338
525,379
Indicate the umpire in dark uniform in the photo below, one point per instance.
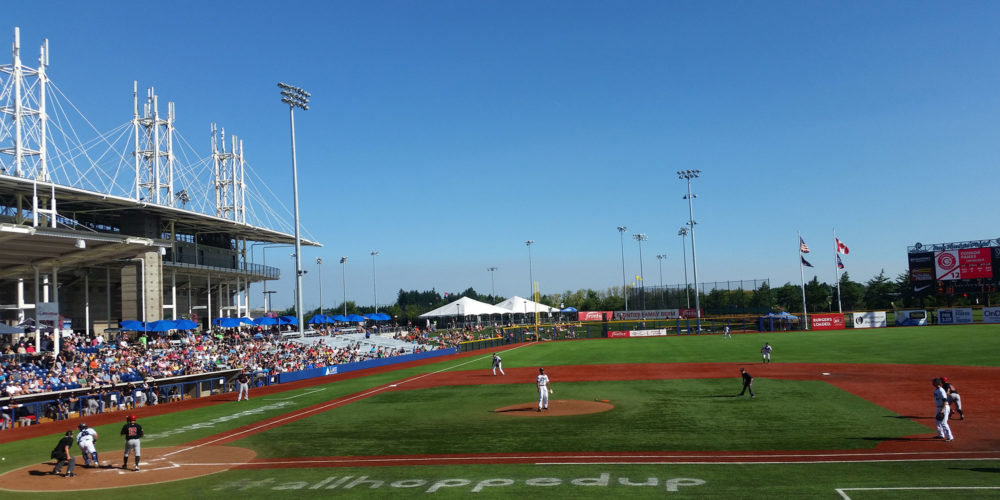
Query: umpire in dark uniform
747,382
62,455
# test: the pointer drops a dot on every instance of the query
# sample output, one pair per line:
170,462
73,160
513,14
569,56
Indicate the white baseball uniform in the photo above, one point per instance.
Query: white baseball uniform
496,365
941,402
543,391
86,441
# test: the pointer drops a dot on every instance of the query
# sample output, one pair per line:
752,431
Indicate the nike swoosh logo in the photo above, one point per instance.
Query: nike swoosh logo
919,288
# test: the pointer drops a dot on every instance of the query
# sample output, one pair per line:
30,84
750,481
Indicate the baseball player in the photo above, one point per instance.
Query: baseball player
765,353
244,382
86,439
496,365
725,332
133,433
953,396
747,382
543,390
943,409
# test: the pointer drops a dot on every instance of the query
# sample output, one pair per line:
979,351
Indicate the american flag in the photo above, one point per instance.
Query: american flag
802,246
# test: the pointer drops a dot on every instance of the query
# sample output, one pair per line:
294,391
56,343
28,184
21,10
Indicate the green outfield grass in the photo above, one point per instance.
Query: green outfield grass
648,415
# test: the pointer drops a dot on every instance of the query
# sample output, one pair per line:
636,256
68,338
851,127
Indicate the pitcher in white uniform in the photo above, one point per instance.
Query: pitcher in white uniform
543,390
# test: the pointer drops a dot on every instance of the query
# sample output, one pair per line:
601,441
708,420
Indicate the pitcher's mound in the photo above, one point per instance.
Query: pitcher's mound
557,407
158,465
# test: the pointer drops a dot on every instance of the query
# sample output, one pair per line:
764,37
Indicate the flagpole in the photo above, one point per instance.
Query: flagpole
836,269
802,278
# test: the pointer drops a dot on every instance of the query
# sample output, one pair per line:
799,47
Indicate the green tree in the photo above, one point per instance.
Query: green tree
817,295
762,297
879,292
788,297
852,293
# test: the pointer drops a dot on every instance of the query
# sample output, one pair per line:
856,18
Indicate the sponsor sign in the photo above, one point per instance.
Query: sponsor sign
874,319
47,311
657,314
660,332
827,321
921,271
955,316
617,334
991,315
911,318
594,315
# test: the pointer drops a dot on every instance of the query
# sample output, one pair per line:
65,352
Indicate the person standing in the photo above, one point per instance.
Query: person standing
953,396
747,382
133,434
244,381
765,353
86,439
496,365
943,409
725,332
543,389
62,456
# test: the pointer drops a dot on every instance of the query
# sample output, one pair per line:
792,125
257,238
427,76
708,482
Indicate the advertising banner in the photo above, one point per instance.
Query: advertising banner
659,332
874,319
827,321
921,271
594,315
47,311
991,315
911,318
656,314
617,334
955,316
964,264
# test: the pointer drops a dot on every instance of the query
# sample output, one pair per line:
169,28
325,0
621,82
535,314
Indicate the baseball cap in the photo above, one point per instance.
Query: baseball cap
131,418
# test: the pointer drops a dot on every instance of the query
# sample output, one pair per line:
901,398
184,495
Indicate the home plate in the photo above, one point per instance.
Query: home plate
393,385
826,373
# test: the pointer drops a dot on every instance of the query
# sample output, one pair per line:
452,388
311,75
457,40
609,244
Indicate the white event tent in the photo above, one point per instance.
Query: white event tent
465,307
521,305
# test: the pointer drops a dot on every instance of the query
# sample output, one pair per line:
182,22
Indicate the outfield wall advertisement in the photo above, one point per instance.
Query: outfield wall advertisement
955,316
594,315
658,332
991,315
657,314
874,319
827,321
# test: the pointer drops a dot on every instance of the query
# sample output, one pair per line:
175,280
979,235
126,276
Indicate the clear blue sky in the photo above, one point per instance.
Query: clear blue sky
446,133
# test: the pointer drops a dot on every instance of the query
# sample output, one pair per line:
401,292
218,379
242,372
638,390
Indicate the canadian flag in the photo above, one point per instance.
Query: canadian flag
841,247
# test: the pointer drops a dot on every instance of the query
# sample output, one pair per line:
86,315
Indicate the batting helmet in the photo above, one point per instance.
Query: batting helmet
82,426
131,418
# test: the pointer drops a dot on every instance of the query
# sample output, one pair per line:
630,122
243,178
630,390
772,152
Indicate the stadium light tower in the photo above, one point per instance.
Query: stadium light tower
493,284
683,234
688,175
621,238
659,258
343,275
295,97
531,276
374,288
319,271
639,238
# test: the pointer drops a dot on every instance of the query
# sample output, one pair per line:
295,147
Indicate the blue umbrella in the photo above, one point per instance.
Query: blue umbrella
569,310
265,321
382,317
227,322
246,321
186,324
137,326
340,318
354,318
288,320
163,325
317,319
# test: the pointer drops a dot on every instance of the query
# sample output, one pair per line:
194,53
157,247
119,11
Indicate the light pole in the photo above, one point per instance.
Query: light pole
621,238
374,287
683,232
343,274
688,175
531,276
493,288
659,258
639,238
295,97
319,271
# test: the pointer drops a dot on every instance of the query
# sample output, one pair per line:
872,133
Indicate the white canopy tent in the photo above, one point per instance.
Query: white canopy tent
464,307
521,305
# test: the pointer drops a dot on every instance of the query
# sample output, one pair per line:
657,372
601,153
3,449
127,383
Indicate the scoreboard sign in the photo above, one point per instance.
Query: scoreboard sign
970,263
949,268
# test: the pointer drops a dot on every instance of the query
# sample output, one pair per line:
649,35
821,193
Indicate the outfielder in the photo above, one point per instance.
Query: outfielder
86,439
133,433
543,390
765,353
725,332
496,365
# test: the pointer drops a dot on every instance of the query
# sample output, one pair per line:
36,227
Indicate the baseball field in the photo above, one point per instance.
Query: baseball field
837,414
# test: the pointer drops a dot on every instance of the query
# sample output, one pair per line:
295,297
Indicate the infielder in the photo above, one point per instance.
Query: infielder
953,396
543,390
943,410
244,382
133,433
86,439
765,353
496,365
